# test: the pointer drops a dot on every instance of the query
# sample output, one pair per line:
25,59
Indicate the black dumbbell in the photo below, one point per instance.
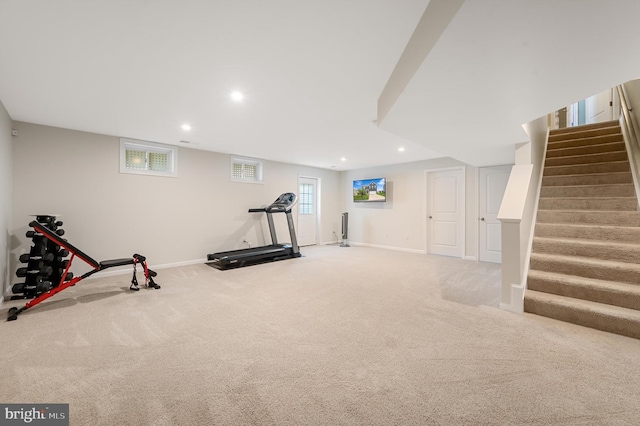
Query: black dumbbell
43,286
24,258
43,271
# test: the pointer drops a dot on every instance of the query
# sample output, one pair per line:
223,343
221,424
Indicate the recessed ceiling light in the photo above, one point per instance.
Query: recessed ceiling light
343,159
401,149
237,96
186,127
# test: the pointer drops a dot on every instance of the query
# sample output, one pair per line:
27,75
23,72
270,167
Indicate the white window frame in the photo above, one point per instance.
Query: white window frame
148,147
247,161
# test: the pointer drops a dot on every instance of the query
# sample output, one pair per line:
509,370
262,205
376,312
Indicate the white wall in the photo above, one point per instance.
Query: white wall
400,223
170,220
6,198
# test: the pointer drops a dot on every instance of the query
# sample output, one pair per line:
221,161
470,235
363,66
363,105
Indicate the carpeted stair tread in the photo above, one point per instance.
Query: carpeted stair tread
604,157
584,264
600,291
613,319
616,190
606,126
574,169
586,267
589,203
588,179
604,250
615,233
591,139
554,152
592,217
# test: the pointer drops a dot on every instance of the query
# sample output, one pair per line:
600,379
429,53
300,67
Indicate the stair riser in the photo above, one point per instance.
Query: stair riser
620,218
622,326
589,140
588,179
621,190
593,294
628,274
621,235
584,150
627,253
578,169
587,159
622,204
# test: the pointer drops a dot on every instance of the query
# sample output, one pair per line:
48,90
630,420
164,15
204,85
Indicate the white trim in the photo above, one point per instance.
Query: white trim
474,258
406,250
516,304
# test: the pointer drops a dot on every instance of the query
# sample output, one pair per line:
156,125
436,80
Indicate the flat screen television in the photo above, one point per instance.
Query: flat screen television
370,190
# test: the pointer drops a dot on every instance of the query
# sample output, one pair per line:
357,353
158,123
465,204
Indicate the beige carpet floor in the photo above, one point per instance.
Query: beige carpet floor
341,336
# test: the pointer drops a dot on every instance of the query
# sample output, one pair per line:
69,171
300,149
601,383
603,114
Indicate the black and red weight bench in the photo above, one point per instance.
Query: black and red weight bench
97,267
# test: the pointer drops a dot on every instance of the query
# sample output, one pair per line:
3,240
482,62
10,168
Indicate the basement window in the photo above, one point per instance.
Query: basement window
246,170
148,158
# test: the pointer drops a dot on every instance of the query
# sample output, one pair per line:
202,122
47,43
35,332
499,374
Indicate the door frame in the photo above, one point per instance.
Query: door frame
427,205
480,183
318,206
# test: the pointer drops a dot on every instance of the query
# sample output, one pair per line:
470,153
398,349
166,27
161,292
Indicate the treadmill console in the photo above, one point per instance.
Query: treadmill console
283,203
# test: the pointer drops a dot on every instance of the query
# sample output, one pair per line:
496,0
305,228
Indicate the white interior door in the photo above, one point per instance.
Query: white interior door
598,108
445,212
307,211
491,186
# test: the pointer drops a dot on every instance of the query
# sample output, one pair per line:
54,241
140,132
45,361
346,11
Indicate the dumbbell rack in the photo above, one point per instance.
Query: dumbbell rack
45,262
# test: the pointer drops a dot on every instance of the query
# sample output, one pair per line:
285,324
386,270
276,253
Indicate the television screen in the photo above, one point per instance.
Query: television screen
370,190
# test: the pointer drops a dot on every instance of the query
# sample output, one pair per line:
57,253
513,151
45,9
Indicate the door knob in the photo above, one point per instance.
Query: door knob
430,217
482,219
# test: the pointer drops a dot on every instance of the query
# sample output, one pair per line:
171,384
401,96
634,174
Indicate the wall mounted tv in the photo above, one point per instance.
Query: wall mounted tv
370,190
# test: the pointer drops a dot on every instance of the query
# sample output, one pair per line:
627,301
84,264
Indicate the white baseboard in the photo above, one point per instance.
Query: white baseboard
406,250
470,258
517,299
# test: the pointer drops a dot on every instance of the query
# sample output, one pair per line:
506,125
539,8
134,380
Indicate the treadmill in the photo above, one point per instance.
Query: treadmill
251,256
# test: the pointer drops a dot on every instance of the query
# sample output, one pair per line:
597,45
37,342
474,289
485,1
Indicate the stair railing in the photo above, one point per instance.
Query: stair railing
630,132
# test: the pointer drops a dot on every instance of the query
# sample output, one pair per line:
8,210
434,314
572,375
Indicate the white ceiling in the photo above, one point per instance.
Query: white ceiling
312,72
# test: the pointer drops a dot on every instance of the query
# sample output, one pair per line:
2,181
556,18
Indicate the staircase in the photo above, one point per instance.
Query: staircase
585,262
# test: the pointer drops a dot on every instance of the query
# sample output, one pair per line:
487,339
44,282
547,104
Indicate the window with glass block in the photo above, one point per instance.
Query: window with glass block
246,170
147,158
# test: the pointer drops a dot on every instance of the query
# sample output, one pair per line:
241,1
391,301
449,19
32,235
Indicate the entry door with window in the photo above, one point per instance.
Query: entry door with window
307,212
